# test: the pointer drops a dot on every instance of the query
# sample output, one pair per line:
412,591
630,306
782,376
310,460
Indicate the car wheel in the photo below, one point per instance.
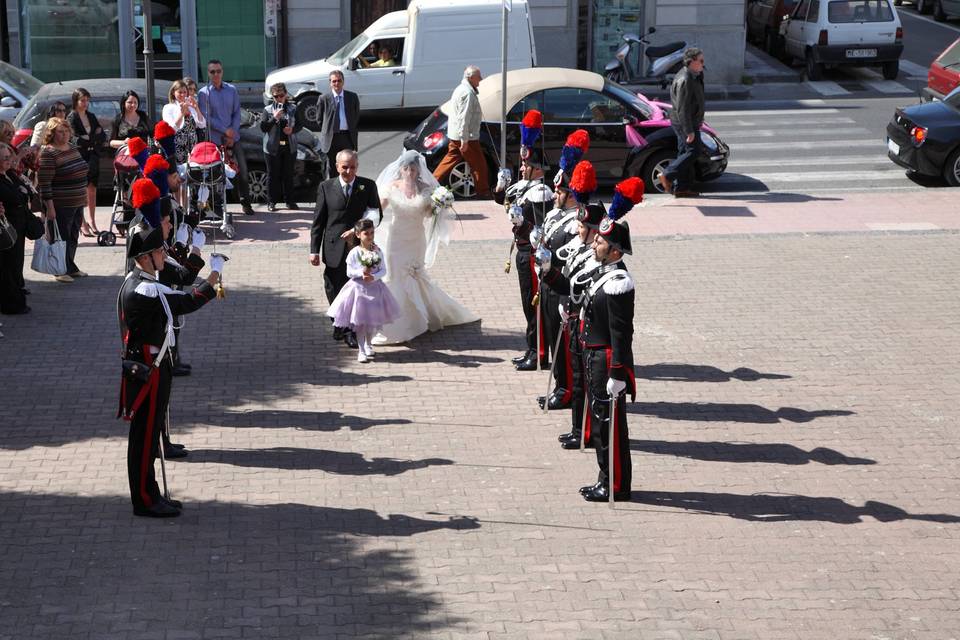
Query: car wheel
891,69
460,181
652,170
257,183
951,170
814,69
938,13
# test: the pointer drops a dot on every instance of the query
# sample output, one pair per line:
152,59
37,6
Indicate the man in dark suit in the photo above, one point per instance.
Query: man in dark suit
341,202
339,117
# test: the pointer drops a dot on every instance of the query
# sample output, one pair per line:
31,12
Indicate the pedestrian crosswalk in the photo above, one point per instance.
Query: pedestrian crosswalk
847,81
817,148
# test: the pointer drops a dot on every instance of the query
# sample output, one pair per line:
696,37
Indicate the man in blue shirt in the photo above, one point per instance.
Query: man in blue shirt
220,105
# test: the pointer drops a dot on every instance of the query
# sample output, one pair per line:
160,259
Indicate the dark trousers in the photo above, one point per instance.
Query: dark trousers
333,280
240,180
553,327
280,178
597,372
577,385
680,171
12,299
69,221
341,140
143,443
529,285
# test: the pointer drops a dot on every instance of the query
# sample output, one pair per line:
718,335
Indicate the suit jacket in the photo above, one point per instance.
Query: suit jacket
334,214
273,133
328,116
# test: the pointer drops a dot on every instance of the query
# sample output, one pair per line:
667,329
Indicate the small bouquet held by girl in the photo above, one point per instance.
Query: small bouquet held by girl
365,303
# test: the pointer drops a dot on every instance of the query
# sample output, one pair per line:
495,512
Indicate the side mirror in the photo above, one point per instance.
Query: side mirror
8,101
354,64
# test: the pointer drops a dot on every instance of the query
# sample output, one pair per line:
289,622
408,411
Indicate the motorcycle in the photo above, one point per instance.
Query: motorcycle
661,60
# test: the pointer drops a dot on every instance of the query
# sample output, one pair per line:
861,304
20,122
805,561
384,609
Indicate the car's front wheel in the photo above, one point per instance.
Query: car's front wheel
653,168
257,183
814,69
460,181
951,170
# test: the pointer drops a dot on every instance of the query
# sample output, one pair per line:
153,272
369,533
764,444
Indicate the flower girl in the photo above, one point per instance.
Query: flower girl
365,303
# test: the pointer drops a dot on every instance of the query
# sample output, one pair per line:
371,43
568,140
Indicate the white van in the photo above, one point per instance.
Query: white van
430,44
844,32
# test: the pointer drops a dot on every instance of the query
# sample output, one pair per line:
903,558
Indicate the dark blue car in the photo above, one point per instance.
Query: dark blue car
925,138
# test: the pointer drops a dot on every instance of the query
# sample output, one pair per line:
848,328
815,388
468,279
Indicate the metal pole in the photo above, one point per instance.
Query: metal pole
610,441
148,60
503,89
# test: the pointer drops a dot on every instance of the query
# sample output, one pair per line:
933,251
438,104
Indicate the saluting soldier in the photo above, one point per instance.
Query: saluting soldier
607,339
529,199
146,309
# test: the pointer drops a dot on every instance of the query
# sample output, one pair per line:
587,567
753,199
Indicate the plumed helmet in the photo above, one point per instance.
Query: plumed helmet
164,136
591,215
146,200
143,239
139,151
530,129
156,169
584,181
617,234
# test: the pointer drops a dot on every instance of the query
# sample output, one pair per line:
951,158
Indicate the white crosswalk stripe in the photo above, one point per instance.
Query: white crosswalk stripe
887,86
827,87
912,69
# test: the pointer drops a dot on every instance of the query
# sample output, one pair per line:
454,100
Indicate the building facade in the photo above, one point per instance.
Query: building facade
67,39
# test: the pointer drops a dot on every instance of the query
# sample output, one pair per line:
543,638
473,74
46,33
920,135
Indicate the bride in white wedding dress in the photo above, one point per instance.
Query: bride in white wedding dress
409,237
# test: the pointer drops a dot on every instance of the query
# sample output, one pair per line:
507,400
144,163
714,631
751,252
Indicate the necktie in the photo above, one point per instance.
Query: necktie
346,191
337,119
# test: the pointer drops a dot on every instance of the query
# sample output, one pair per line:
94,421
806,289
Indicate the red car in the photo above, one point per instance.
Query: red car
944,73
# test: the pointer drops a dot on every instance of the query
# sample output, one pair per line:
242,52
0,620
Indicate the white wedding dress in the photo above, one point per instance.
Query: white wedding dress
403,238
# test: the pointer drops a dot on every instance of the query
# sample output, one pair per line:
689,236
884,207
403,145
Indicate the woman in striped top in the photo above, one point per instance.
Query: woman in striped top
63,187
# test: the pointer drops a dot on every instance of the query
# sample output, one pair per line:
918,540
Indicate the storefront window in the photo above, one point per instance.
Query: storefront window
166,38
232,32
612,19
70,39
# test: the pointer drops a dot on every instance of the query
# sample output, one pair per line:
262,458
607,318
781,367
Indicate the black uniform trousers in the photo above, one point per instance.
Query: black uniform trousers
146,425
280,177
553,326
597,370
333,280
529,286
578,393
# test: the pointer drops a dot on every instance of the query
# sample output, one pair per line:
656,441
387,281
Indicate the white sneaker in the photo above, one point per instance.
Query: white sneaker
368,349
361,356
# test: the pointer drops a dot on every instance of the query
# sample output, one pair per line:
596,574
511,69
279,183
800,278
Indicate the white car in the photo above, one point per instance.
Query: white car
844,32
17,87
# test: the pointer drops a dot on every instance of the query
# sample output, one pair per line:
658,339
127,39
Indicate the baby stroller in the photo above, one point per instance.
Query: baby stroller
125,172
207,186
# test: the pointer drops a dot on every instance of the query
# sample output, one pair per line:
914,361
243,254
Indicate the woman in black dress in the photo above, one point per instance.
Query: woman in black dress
15,202
88,138
131,122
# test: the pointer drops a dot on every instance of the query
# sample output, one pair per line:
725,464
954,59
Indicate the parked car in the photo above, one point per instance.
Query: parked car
630,135
309,169
763,23
944,73
859,33
432,41
17,87
925,138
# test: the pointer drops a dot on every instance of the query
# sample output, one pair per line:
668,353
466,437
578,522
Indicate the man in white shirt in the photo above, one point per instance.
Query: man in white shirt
463,133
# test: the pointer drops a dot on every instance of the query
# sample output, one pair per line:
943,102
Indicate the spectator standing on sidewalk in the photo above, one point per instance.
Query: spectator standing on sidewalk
339,121
220,105
463,133
62,181
279,125
687,96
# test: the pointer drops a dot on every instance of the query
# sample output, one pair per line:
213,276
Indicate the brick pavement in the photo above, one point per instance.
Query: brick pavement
794,447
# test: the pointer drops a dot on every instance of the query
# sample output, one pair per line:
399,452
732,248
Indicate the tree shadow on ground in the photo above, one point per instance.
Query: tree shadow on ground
777,453
305,420
723,412
283,571
701,373
297,458
783,508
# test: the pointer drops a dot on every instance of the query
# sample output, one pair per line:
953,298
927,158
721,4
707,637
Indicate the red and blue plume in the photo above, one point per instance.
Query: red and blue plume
164,136
139,151
146,198
530,128
576,145
627,193
156,169
584,181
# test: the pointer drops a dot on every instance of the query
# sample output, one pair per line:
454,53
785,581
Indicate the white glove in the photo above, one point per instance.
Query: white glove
615,387
503,180
199,239
563,312
216,262
516,215
183,233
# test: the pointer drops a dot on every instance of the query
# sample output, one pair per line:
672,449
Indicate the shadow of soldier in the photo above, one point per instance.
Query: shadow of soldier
778,453
297,458
701,373
304,420
723,412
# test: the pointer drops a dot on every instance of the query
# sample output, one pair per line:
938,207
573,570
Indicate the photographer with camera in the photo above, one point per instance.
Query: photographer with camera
279,126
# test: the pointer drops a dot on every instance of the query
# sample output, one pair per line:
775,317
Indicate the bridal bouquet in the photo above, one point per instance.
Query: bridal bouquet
369,259
442,198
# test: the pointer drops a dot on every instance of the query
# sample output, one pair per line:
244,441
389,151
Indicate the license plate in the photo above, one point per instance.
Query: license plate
893,147
861,53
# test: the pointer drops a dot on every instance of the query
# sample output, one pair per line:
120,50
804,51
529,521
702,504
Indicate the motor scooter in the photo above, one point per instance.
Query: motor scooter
661,60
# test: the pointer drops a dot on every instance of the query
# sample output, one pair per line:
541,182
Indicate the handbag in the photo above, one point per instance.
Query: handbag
34,228
50,255
8,235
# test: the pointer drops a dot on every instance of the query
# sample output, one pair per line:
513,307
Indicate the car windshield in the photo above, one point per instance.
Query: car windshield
340,56
22,82
625,95
845,11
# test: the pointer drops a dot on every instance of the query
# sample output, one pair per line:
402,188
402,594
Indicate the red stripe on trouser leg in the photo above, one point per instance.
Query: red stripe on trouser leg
147,458
541,339
568,364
